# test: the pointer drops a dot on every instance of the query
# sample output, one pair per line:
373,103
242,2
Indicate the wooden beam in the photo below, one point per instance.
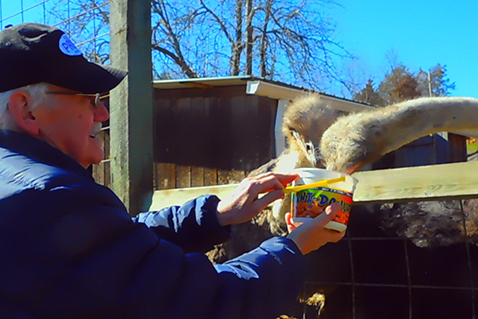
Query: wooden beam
131,104
423,183
179,196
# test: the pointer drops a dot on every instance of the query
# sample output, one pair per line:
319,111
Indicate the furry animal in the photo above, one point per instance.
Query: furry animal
361,138
318,135
304,122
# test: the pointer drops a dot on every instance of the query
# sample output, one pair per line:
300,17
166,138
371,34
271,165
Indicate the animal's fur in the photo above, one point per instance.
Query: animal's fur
317,134
362,138
304,122
433,223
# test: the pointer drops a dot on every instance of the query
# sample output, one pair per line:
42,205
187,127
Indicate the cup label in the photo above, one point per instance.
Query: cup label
311,202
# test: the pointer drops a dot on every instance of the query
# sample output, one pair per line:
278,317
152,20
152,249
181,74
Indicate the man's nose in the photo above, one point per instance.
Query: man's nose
101,113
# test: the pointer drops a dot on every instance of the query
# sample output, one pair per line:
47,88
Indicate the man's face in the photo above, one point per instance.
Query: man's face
71,123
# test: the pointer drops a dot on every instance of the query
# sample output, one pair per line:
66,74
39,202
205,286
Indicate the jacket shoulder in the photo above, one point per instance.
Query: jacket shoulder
25,172
19,173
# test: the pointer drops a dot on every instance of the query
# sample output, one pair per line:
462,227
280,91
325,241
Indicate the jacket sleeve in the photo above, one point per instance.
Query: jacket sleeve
263,283
83,261
193,226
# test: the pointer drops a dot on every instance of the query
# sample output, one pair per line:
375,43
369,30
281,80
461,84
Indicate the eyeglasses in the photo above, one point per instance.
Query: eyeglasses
97,97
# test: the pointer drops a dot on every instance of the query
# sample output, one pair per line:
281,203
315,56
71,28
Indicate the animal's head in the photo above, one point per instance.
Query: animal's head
304,122
353,141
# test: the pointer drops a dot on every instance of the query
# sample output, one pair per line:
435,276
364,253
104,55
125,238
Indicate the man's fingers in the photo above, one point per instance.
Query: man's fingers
288,221
332,210
269,182
282,177
329,214
264,201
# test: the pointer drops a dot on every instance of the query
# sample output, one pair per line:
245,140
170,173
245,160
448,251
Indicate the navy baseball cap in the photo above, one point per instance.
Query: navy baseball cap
31,53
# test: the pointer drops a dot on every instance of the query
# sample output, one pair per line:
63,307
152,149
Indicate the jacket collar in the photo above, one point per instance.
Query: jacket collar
40,151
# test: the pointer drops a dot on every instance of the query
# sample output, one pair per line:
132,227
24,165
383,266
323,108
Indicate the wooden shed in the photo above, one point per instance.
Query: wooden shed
211,132
214,131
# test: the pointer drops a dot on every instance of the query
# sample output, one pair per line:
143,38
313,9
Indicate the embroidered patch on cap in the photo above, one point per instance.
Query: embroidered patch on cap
67,46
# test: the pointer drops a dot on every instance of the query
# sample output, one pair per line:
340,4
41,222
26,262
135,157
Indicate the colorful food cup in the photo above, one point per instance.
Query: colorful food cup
311,202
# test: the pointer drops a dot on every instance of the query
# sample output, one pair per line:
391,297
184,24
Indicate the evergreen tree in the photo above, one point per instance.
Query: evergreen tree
401,84
369,95
434,82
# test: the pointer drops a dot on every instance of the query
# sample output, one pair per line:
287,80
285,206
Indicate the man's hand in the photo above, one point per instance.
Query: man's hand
312,235
243,203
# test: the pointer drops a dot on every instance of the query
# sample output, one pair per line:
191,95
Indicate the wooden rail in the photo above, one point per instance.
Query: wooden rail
422,183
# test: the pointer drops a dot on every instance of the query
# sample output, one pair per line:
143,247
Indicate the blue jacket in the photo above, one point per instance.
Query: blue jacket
69,249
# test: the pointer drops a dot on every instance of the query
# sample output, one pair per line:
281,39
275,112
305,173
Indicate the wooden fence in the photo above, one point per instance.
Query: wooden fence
421,183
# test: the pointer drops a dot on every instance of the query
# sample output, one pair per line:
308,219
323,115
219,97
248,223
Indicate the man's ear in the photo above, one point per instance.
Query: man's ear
19,104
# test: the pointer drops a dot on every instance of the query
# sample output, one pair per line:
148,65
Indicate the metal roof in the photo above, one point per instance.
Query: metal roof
202,82
258,86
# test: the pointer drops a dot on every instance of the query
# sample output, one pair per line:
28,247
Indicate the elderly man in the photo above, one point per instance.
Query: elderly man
69,249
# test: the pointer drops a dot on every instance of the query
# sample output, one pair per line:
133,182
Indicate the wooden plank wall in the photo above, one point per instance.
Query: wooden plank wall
102,172
169,176
210,136
457,148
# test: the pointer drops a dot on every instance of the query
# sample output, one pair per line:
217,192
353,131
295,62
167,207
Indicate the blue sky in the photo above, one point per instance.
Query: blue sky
421,32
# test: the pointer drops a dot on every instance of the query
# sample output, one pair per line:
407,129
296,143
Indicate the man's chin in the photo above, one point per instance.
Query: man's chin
93,160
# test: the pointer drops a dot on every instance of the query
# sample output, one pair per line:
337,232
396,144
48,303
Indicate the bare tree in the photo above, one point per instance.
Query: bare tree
237,45
86,22
290,41
168,35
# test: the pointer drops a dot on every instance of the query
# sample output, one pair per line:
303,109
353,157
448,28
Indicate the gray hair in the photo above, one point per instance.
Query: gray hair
37,92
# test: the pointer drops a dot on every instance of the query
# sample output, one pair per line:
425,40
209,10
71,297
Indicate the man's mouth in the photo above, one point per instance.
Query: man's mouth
95,130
